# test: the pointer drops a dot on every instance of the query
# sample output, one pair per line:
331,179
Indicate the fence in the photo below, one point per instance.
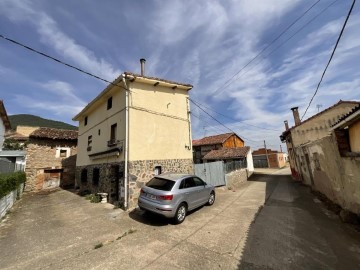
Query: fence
6,166
213,173
234,165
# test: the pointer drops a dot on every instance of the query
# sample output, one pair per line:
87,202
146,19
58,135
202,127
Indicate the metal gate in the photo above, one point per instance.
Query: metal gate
212,173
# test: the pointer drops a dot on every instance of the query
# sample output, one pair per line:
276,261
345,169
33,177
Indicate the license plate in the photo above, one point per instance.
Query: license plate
153,197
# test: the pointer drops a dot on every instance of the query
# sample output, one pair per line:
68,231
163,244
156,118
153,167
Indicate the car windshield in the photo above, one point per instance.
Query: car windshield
160,183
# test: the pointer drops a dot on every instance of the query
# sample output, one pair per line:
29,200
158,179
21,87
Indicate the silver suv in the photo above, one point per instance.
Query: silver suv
173,194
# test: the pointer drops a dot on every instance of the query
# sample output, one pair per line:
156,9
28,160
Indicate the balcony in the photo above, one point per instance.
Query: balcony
112,142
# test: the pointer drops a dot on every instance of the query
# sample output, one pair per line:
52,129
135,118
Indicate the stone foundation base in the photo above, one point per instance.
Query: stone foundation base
141,171
111,177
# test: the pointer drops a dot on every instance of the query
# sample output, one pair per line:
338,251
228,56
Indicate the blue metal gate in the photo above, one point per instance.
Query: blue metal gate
212,173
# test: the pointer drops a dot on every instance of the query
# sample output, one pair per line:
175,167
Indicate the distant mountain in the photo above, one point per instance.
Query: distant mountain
36,121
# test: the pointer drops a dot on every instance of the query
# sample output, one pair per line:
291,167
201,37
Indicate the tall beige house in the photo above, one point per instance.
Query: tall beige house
137,127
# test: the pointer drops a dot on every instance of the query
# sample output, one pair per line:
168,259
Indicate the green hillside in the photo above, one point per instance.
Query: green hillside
36,121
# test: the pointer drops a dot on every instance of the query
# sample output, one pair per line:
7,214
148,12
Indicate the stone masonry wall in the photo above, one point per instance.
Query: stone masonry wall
108,173
141,171
42,154
237,178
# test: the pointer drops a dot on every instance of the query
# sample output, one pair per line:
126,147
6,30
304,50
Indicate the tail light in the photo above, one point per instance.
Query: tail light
166,197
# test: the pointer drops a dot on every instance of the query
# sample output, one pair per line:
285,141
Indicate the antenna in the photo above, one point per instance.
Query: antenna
318,106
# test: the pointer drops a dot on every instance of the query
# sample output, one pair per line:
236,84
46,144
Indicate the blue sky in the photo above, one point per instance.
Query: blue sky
204,43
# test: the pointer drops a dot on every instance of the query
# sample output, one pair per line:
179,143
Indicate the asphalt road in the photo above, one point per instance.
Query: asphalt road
269,223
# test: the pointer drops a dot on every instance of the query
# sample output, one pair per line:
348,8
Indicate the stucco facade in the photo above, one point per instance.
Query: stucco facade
322,154
152,134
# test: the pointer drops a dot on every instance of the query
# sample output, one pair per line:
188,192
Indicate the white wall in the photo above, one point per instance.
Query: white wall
2,134
250,162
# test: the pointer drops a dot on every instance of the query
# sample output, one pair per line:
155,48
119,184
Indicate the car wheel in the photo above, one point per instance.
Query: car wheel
180,213
211,198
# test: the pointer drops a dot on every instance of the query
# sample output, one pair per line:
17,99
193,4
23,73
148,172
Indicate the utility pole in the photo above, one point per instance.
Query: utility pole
267,157
281,149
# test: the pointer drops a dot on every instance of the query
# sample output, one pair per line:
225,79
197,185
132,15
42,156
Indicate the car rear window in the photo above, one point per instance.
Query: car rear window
160,183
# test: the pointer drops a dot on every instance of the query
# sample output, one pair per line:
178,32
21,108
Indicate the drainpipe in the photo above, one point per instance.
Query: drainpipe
126,175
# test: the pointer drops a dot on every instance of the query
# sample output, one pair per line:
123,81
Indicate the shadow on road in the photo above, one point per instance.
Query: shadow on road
294,231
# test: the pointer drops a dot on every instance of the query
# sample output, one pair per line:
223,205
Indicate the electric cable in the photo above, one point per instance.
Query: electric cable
331,57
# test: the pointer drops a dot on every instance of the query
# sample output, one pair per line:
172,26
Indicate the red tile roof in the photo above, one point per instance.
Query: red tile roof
216,139
354,110
16,136
227,153
54,133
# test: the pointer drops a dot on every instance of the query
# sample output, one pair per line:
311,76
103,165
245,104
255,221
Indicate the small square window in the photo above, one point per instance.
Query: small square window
63,152
85,120
109,103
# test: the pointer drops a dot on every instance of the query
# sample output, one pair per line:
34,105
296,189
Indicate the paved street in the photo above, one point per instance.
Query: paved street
269,223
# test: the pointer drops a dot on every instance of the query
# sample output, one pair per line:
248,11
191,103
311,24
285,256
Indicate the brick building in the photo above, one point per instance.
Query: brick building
267,158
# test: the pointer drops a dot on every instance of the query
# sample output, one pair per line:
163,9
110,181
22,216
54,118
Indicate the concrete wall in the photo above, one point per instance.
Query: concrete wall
42,154
354,131
249,161
327,172
158,121
8,201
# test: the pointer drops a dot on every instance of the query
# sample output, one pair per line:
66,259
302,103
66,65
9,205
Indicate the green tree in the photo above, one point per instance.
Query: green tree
11,144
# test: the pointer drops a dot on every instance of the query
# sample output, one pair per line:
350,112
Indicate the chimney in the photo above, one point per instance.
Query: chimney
296,116
286,125
142,62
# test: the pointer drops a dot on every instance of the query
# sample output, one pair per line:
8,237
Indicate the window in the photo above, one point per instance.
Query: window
198,182
160,184
85,120
157,170
109,103
112,135
89,143
96,176
84,176
63,153
189,183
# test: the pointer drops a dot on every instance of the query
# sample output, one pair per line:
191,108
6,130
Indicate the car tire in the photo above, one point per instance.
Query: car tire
211,199
180,213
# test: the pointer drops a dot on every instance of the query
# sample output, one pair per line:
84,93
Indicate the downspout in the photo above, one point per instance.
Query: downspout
189,122
126,180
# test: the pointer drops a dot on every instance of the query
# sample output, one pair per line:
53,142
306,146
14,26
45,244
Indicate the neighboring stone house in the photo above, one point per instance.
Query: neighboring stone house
203,146
4,123
232,157
137,127
324,153
50,159
267,158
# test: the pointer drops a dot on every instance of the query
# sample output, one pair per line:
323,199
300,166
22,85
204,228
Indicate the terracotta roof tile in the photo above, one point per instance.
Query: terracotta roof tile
210,140
227,153
354,110
286,132
54,133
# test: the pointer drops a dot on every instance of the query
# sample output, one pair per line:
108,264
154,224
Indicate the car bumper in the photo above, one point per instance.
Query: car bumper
161,209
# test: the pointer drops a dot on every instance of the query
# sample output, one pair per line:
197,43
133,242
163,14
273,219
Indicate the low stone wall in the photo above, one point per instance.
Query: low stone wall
237,178
8,201
141,171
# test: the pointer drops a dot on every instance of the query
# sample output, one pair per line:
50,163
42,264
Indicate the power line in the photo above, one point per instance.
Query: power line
57,60
216,119
266,47
235,119
209,125
332,54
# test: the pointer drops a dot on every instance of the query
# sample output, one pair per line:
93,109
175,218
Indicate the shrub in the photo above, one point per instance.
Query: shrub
10,182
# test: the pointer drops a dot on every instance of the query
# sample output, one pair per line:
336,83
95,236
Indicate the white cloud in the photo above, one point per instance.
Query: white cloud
51,35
